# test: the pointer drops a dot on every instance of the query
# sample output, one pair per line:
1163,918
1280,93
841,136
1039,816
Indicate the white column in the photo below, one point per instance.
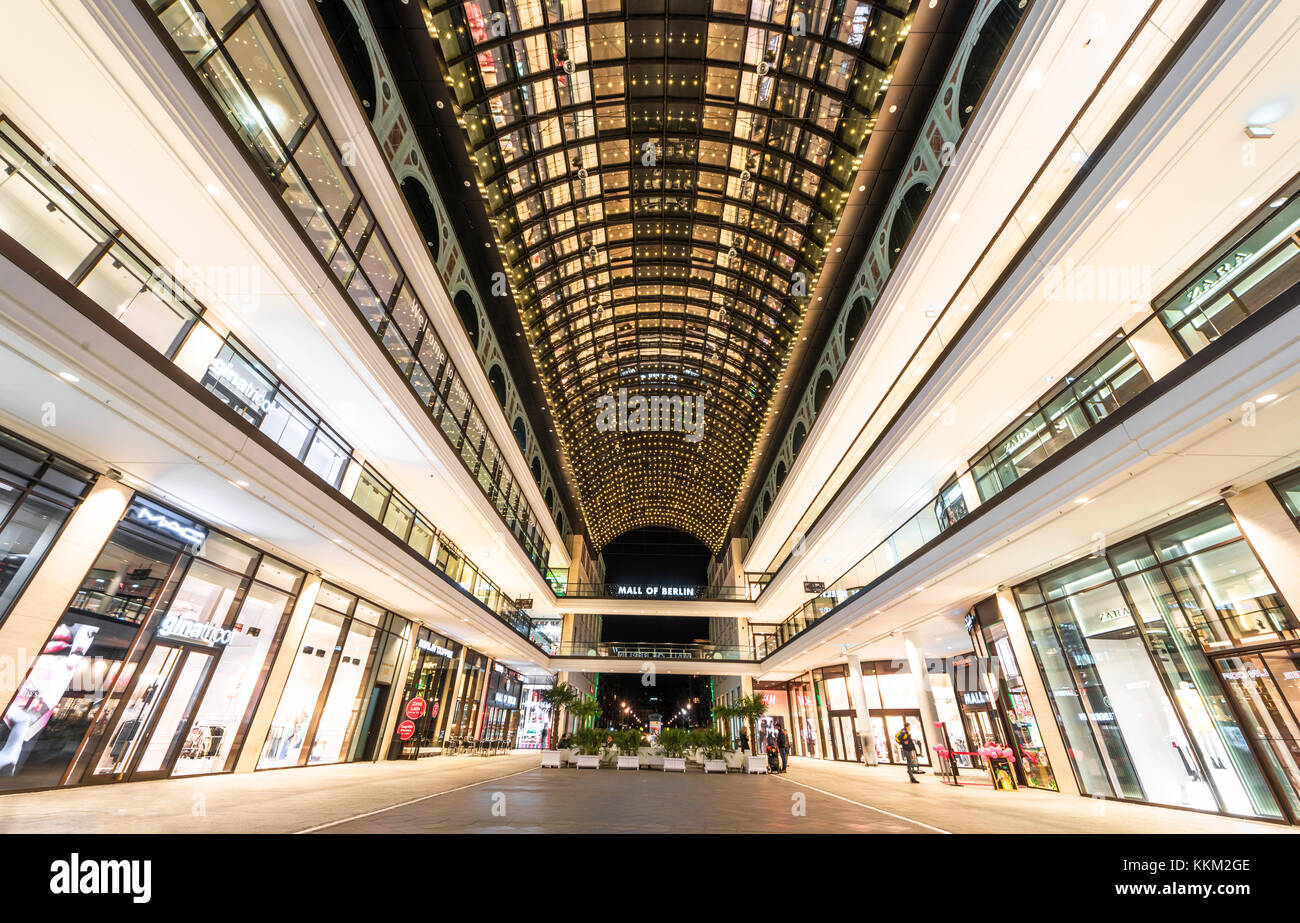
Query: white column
251,748
969,492
1154,347
858,694
1273,536
924,692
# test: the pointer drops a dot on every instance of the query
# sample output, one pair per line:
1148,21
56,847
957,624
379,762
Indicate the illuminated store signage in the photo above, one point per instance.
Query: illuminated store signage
432,648
250,391
975,698
1111,615
187,530
187,628
506,701
668,592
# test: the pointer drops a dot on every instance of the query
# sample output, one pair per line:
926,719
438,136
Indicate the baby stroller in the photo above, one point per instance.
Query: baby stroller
773,758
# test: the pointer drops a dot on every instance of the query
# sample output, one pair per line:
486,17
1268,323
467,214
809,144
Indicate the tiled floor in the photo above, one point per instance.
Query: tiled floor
510,794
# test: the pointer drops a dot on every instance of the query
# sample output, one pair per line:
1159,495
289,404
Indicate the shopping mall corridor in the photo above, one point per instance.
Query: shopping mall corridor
511,794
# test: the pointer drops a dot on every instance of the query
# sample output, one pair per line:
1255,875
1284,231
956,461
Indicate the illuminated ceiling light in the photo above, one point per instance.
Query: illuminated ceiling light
1258,132
69,377
1123,204
213,189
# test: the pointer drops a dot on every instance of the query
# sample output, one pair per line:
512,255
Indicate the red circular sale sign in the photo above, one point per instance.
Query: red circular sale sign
406,730
415,708
433,710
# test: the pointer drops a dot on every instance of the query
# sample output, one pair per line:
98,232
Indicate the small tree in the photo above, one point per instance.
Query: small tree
751,708
585,709
726,714
558,697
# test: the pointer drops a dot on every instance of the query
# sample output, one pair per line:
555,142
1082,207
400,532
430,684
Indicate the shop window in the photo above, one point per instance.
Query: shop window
1238,280
1124,639
1288,491
38,492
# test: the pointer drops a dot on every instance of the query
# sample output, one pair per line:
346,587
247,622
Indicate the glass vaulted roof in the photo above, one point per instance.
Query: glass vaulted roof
663,180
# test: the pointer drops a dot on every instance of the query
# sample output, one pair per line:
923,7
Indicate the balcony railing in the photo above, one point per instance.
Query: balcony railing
653,650
249,80
1087,399
106,264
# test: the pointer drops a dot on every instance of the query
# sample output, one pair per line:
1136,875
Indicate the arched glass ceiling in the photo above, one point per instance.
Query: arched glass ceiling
663,182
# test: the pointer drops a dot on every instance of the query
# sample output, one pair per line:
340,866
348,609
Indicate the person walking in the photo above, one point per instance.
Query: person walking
783,747
905,743
744,740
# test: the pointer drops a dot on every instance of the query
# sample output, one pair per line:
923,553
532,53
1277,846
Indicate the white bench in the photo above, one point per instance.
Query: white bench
756,764
551,759
588,761
628,762
674,764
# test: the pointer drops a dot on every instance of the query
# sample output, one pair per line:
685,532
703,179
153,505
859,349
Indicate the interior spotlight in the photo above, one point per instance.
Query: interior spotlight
1258,131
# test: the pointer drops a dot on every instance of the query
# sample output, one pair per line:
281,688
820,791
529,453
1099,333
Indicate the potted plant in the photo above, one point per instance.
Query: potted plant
628,743
558,697
714,745
588,741
751,708
674,741
585,709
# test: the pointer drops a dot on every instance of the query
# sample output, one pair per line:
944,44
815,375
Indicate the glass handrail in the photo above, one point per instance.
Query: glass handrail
50,200
244,71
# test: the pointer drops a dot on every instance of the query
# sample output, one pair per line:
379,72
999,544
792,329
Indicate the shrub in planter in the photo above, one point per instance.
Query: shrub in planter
628,741
674,741
588,741
713,743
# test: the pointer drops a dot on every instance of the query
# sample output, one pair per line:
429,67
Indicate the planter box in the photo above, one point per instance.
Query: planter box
715,766
628,762
586,761
756,764
552,759
674,764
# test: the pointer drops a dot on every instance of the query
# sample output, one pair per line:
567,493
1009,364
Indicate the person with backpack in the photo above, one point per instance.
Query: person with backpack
905,743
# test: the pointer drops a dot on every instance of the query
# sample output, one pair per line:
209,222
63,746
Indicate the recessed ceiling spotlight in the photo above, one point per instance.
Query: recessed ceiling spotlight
1242,203
69,377
1078,157
213,189
893,108
1258,132
1265,398
1277,203
1123,204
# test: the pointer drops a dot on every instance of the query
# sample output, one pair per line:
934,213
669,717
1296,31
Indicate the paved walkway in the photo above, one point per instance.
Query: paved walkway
511,794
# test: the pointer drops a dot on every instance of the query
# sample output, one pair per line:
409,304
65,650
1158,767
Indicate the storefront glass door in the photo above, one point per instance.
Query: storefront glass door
1266,690
169,730
152,681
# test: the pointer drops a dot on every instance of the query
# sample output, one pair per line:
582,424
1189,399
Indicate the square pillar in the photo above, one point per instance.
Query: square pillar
1274,537
858,694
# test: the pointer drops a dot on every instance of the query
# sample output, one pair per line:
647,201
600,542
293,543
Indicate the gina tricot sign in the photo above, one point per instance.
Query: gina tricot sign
168,523
257,397
181,627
